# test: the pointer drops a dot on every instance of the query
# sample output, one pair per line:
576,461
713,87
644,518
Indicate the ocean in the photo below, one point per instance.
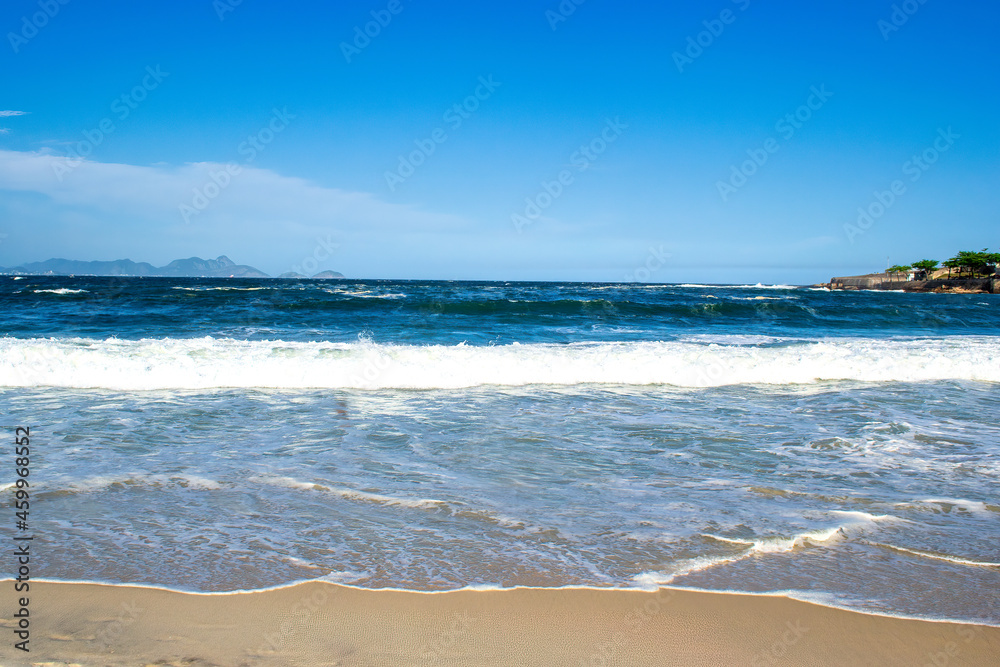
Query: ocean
220,435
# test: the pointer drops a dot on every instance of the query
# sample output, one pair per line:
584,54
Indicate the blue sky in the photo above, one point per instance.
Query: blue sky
158,131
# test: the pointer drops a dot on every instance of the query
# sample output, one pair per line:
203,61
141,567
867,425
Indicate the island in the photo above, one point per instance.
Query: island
968,272
192,267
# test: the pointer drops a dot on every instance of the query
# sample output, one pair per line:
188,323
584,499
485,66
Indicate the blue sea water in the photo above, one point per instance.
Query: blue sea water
218,435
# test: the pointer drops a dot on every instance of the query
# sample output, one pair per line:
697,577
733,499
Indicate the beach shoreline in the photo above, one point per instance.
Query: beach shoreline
320,623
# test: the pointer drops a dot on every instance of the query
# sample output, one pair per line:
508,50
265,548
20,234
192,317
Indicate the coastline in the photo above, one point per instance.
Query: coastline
320,623
884,282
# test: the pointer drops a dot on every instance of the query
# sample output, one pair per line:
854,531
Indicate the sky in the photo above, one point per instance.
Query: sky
726,141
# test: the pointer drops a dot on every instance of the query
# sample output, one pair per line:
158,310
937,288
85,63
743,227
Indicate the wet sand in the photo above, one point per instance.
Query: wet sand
325,624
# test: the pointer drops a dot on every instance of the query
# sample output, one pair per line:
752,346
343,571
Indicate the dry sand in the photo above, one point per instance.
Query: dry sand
325,624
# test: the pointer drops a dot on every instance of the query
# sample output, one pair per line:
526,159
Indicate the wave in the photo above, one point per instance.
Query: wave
364,294
763,286
753,548
755,286
454,508
133,480
935,556
206,363
63,290
222,289
857,522
351,494
946,505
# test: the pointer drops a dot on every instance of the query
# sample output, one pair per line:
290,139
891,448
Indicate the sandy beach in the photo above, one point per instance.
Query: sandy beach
325,624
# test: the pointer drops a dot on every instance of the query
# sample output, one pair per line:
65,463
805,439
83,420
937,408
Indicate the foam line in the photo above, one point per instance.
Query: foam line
203,363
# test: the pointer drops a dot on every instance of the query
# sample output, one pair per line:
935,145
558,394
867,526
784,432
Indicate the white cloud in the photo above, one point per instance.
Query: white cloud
13,113
157,192
99,209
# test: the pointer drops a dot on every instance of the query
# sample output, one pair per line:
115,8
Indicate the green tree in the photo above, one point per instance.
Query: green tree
925,266
899,268
975,262
992,260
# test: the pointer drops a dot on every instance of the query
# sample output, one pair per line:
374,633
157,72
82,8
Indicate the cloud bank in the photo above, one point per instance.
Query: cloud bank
90,210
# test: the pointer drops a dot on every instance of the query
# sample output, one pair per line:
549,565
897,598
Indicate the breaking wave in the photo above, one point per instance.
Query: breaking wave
203,363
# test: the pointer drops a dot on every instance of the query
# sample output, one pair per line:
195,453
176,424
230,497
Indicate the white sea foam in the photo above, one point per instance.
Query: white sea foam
216,363
771,545
221,289
350,494
63,290
863,518
364,294
99,483
763,286
764,545
755,286
945,504
943,557
735,339
298,562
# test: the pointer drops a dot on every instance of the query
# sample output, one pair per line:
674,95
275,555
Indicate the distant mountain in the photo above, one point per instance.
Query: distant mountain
193,267
221,267
324,275
121,267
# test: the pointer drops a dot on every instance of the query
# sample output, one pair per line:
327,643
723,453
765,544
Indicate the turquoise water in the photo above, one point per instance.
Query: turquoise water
230,435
